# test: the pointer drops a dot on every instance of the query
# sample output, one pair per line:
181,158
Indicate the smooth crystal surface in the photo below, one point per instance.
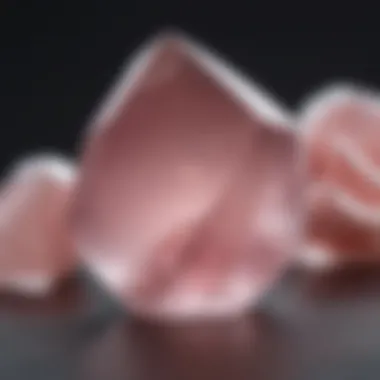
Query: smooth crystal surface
189,202
35,248
340,127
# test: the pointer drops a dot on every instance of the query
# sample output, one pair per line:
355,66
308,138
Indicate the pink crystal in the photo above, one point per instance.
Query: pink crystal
35,247
189,201
341,133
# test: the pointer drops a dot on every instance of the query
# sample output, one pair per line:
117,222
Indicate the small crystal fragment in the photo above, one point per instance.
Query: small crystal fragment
36,249
340,128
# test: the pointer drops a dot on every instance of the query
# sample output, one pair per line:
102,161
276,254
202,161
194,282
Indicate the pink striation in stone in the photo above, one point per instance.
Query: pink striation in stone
189,201
35,247
341,131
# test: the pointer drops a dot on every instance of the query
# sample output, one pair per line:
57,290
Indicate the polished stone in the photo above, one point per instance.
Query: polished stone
340,127
190,197
36,249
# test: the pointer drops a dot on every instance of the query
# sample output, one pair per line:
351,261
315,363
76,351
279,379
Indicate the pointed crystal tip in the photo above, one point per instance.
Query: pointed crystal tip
164,55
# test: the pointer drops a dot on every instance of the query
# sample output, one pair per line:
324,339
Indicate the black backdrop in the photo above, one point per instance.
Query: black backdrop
58,57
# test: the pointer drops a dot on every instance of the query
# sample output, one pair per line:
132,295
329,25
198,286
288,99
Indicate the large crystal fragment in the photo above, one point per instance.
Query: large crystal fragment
189,202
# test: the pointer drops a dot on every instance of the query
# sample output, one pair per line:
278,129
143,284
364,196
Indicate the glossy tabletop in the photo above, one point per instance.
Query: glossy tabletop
310,327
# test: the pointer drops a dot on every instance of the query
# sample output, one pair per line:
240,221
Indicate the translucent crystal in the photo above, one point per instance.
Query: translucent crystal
189,203
340,128
35,246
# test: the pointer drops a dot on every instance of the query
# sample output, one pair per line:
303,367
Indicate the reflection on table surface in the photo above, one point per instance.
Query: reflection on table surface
310,326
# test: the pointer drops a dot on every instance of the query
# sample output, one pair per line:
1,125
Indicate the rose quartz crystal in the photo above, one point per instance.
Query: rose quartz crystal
35,245
189,201
340,128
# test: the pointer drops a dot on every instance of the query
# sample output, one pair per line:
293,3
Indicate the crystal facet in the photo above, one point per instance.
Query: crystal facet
340,128
35,245
189,203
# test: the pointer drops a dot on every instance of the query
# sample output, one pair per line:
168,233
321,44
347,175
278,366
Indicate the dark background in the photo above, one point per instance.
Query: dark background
57,59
